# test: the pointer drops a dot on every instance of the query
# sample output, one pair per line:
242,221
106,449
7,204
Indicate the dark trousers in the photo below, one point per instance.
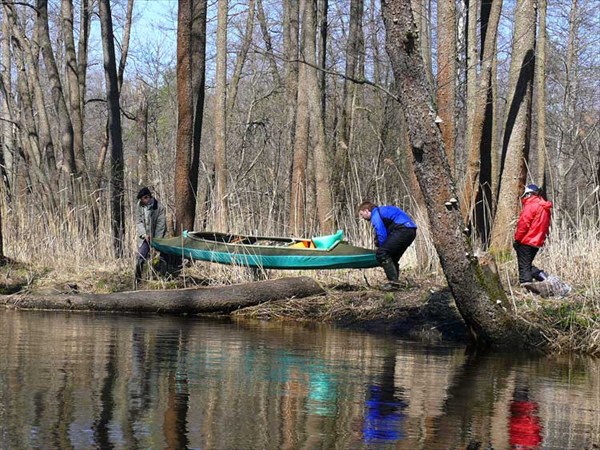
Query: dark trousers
527,271
395,245
142,256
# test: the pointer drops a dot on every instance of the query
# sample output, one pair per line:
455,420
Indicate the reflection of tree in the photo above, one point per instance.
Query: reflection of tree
175,418
101,424
470,402
384,406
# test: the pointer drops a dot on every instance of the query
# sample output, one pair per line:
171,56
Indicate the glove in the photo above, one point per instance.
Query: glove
516,244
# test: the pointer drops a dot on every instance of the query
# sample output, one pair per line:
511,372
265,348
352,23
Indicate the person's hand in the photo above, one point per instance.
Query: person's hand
516,244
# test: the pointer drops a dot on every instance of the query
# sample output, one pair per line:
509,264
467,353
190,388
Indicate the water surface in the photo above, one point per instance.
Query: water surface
85,380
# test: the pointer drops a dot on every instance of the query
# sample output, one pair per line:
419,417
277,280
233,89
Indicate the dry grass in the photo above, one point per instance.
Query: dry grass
63,250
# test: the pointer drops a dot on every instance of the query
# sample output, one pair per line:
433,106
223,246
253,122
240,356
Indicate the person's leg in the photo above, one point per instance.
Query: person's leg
389,254
525,255
142,256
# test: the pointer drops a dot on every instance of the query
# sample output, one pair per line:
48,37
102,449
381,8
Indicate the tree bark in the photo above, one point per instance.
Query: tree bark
446,75
222,299
220,120
241,58
117,173
477,186
264,29
354,48
324,200
478,293
300,155
515,152
540,95
191,61
73,85
58,97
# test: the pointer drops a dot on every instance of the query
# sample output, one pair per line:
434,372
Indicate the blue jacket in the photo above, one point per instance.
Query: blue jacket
386,218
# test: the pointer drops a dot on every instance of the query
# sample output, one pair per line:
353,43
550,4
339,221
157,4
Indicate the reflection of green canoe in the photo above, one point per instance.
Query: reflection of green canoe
322,252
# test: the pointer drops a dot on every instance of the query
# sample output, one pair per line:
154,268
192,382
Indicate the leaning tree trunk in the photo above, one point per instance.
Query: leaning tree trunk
479,295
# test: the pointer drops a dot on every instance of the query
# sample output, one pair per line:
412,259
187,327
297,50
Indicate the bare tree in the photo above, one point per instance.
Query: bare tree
114,127
478,295
446,75
540,93
191,60
58,97
515,149
220,120
321,164
477,186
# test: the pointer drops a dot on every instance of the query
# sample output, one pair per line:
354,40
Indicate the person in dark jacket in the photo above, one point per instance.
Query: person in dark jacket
394,232
530,234
151,223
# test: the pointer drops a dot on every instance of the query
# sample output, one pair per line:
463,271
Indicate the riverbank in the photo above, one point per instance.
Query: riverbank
423,309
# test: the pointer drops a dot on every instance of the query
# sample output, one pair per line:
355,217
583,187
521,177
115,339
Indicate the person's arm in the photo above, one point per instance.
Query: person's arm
139,224
379,226
161,222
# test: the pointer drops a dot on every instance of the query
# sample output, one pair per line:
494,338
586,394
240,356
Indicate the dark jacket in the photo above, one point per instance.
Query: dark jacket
387,218
534,221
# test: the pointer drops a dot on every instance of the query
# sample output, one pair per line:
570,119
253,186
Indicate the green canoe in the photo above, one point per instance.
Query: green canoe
321,252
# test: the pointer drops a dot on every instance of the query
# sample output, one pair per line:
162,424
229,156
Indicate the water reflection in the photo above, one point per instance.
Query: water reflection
102,381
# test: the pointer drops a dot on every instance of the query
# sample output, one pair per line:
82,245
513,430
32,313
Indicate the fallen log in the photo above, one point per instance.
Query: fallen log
218,299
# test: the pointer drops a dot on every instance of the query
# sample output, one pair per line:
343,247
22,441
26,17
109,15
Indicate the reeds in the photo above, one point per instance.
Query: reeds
65,245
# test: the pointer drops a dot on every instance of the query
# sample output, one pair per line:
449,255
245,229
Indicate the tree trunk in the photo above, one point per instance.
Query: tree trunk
191,57
446,75
515,152
478,294
58,98
354,47
241,58
220,121
321,164
264,29
73,82
540,95
301,141
477,187
114,125
221,299
472,63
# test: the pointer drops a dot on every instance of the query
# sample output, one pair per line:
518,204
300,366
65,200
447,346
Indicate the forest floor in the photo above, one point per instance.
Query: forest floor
422,309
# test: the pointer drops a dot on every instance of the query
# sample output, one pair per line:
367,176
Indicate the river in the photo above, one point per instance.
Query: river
88,380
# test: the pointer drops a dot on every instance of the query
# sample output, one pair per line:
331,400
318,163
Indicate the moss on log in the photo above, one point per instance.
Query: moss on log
219,299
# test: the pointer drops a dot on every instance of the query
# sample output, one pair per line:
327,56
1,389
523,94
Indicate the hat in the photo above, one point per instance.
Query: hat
530,189
143,192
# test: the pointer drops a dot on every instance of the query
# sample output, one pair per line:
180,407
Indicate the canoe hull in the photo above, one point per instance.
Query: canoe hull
277,256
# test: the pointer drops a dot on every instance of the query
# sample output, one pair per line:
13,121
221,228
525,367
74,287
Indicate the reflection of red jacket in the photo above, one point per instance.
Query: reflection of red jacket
534,221
524,427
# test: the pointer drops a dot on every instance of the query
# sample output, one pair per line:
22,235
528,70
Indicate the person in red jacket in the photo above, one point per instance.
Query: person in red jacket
531,232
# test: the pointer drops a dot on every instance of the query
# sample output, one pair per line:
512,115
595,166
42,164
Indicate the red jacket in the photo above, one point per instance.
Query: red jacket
534,221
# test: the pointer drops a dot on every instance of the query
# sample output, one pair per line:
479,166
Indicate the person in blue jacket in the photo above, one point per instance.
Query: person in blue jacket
394,232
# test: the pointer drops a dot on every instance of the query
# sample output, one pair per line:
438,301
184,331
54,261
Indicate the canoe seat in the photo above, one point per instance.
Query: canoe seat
302,244
327,242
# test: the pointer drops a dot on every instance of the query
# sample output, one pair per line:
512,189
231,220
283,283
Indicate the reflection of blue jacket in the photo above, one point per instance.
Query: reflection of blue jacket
386,218
383,417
